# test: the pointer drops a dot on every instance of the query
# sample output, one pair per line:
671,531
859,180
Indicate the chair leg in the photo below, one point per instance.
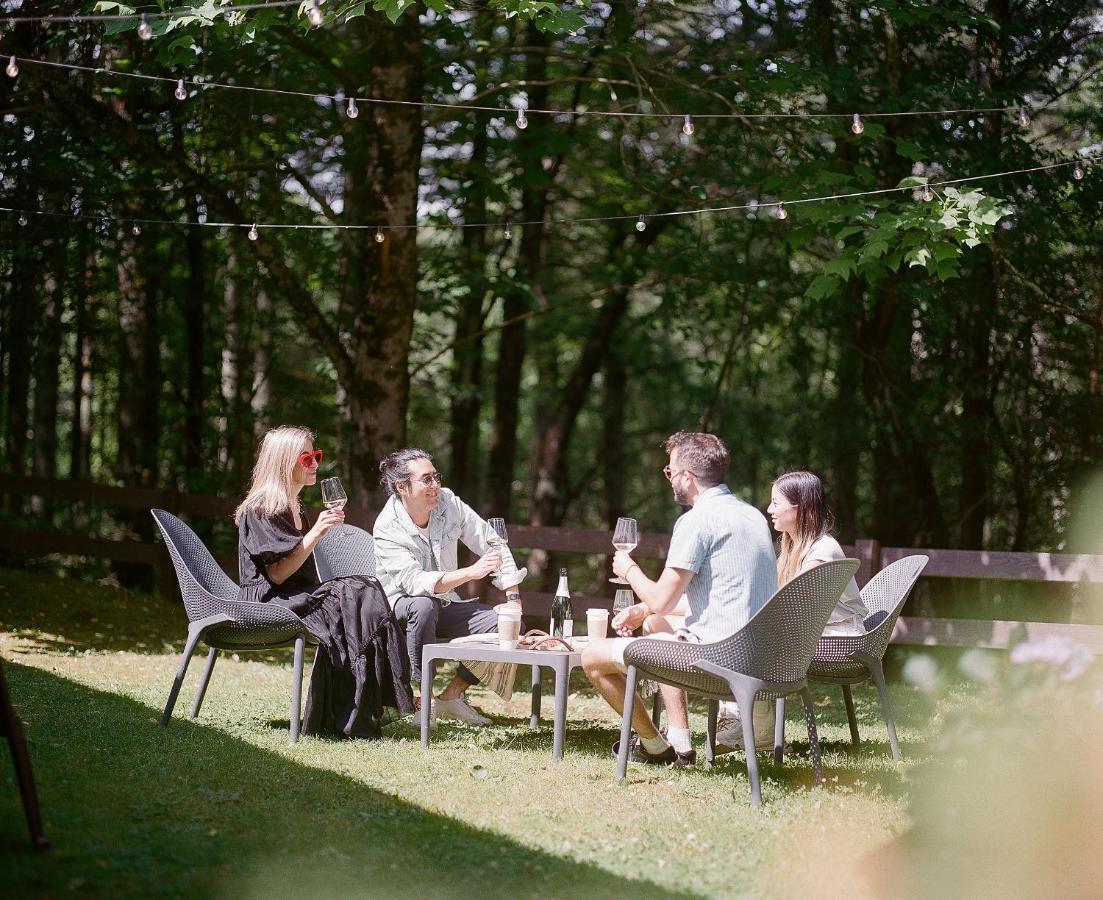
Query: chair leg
813,735
189,648
657,708
779,730
297,687
710,732
202,692
878,673
850,717
12,728
534,717
744,701
626,724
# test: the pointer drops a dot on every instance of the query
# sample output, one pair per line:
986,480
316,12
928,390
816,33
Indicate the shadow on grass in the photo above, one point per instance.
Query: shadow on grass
133,809
47,614
869,764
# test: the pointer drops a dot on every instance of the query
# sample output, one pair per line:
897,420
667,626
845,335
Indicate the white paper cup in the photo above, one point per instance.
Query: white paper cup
597,624
509,628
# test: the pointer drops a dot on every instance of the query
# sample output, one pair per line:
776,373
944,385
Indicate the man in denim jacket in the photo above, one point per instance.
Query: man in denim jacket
417,537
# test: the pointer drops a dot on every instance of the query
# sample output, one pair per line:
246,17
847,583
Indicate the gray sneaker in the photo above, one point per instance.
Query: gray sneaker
458,709
729,734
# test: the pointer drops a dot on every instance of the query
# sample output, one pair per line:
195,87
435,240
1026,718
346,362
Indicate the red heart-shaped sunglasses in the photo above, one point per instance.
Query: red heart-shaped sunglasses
305,458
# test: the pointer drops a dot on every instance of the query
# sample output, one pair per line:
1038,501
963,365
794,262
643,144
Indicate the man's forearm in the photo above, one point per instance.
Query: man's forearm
656,597
451,580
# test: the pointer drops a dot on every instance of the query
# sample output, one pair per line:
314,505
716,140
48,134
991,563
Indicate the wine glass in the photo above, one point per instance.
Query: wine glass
622,600
333,496
625,537
501,536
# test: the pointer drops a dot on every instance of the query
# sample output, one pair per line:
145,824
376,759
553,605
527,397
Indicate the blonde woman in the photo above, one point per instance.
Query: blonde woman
361,665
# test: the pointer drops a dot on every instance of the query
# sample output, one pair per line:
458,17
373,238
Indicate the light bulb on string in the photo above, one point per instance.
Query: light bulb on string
351,111
379,238
687,126
314,14
145,30
136,230
1024,119
1078,171
781,213
522,119
22,218
507,232
12,68
640,224
927,194
857,126
181,91
253,233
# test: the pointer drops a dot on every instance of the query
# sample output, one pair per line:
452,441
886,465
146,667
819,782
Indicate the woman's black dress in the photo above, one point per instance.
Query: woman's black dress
362,664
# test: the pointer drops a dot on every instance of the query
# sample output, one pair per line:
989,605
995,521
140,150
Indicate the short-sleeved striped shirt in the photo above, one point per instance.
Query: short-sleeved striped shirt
726,544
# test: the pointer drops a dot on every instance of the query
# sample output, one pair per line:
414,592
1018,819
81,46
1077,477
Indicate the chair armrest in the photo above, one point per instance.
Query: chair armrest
207,621
703,665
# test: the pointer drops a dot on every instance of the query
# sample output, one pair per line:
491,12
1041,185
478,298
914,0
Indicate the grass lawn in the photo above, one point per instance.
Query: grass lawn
224,806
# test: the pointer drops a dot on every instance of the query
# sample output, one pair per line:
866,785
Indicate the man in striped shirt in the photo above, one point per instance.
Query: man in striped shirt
720,570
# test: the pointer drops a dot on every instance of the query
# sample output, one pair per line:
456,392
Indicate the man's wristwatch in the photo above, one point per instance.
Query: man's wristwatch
513,597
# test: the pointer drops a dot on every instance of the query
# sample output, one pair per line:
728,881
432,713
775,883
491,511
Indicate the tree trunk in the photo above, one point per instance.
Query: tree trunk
236,380
379,292
47,362
848,439
18,346
549,504
978,319
467,353
138,429
511,339
80,431
614,449
196,343
261,394
907,511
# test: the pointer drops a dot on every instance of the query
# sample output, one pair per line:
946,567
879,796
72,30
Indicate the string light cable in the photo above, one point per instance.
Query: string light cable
779,207
522,110
159,14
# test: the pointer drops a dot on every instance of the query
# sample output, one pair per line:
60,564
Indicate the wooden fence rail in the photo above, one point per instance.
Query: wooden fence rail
970,564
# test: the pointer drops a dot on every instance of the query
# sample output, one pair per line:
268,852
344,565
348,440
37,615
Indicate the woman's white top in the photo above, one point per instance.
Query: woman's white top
848,617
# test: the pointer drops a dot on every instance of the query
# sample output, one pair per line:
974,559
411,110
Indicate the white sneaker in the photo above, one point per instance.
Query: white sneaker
458,709
729,731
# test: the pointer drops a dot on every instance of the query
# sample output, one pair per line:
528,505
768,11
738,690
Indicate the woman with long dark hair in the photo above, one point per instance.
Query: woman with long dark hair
361,668
800,514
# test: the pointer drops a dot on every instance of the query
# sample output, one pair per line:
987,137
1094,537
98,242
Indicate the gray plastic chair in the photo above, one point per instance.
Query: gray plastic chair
851,659
766,659
221,621
345,550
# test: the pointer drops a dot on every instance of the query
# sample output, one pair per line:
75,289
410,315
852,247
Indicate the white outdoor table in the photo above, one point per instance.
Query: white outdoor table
559,661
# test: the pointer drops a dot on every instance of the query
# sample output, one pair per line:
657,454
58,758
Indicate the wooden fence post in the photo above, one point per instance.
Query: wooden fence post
869,552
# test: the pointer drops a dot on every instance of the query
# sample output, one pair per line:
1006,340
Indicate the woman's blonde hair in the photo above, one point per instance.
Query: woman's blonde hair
271,489
805,491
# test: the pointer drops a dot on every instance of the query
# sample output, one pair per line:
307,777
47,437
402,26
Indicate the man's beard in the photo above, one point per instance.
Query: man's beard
680,497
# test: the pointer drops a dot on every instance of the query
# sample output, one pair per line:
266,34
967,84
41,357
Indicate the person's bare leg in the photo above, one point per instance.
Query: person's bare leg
674,699
610,681
456,688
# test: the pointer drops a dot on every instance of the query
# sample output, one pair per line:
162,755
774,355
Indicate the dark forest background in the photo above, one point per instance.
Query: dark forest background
937,362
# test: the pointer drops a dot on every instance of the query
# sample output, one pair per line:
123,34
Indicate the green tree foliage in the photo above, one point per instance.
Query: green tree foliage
937,361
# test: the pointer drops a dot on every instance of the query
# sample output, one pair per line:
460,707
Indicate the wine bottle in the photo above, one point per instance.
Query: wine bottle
562,623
